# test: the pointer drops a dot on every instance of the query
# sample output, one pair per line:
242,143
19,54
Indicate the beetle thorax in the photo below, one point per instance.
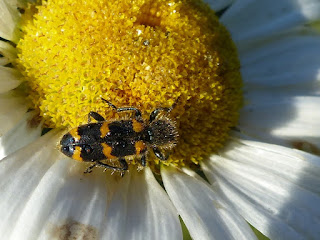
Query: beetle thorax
161,133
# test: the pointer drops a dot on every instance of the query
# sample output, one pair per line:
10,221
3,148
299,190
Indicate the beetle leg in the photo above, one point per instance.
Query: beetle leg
124,166
159,154
143,160
89,169
123,163
137,114
155,112
95,116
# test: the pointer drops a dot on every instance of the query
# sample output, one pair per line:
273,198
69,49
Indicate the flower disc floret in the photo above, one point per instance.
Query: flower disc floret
145,54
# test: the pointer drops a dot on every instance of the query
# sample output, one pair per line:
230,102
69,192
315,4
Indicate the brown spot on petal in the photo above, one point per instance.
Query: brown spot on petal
73,230
34,121
306,146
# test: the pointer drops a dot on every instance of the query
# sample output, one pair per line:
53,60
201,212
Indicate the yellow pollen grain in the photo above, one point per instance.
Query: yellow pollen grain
142,53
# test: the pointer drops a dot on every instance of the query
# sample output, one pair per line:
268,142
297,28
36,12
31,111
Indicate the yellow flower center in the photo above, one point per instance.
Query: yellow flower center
142,53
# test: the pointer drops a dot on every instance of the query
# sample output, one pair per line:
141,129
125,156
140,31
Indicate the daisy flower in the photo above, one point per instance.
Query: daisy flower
248,142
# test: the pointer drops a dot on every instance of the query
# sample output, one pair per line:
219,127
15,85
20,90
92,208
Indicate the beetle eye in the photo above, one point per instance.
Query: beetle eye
66,149
87,149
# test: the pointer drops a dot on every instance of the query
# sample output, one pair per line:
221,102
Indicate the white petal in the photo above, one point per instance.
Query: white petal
19,3
67,203
37,207
288,61
3,61
255,20
19,136
43,197
205,214
12,110
281,116
9,79
291,165
273,187
8,52
9,17
20,173
140,209
218,5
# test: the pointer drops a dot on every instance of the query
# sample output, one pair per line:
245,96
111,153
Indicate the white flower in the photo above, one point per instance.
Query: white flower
257,178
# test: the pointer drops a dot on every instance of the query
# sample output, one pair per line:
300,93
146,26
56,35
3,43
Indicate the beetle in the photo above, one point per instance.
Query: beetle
122,139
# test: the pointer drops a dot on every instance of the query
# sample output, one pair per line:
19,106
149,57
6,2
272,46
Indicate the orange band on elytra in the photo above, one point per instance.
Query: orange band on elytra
140,146
137,126
104,129
77,153
74,134
107,151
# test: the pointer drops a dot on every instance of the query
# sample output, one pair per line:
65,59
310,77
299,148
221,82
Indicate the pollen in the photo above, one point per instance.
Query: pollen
143,53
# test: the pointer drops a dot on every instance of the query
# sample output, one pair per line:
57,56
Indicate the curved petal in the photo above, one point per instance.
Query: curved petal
249,21
218,5
140,209
46,197
12,110
287,62
20,173
74,206
275,117
205,214
8,52
9,17
19,136
9,79
274,188
19,3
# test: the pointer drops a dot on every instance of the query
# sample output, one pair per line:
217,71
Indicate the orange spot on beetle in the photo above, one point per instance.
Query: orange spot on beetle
107,151
140,146
137,126
76,154
74,134
104,129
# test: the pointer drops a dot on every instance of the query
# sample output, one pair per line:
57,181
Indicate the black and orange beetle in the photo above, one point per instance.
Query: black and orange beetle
122,140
